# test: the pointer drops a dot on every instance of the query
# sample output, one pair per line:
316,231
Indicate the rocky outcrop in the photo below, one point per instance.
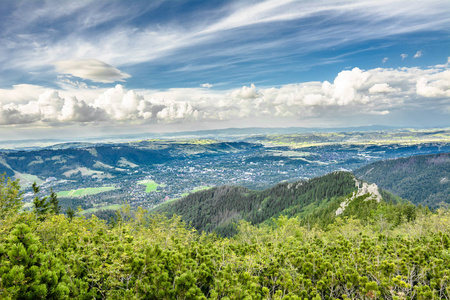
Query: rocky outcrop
363,189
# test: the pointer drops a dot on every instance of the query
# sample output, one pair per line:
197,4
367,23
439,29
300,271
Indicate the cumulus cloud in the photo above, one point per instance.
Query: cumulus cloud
75,110
246,92
178,112
92,69
123,105
50,107
418,54
436,86
18,114
347,84
381,88
374,92
403,55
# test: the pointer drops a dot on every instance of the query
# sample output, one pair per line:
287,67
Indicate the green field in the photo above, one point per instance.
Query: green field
151,185
85,192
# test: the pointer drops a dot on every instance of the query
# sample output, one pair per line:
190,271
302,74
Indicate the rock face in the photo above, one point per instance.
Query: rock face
363,189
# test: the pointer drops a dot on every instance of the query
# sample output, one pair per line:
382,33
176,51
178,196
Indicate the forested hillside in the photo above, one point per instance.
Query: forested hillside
423,179
46,255
314,201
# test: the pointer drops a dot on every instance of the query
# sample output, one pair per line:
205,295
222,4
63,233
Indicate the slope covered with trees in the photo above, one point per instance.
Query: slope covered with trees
314,201
144,256
423,179
219,208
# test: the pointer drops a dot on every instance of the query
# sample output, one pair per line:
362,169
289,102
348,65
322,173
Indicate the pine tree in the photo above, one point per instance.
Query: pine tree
40,206
10,197
54,203
70,213
26,271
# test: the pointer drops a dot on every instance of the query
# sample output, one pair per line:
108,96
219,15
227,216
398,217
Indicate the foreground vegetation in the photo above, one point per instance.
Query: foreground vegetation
46,255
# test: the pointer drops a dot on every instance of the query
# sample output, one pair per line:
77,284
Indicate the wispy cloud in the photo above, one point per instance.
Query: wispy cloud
206,85
86,34
403,56
418,54
385,60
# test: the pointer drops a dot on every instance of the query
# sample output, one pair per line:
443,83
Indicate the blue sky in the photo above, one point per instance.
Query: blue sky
174,65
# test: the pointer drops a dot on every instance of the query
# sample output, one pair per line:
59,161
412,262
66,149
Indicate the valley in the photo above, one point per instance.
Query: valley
147,173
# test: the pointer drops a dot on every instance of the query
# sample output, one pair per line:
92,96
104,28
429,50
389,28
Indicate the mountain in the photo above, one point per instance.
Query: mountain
318,200
247,131
179,166
100,161
422,179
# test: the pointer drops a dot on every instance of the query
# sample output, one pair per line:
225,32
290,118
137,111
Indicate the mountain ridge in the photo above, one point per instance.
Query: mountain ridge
317,200
422,179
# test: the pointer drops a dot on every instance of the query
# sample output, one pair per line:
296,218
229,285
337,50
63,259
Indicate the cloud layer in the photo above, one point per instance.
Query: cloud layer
353,92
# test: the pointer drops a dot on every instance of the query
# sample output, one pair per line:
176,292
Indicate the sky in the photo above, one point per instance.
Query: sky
91,68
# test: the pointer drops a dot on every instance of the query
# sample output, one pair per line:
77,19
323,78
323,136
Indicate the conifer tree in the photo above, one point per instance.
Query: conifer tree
10,197
70,213
54,203
40,205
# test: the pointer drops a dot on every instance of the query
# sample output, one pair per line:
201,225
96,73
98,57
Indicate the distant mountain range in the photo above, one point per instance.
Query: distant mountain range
228,132
276,130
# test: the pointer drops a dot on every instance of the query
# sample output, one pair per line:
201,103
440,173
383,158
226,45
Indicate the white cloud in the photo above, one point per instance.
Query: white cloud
122,105
403,55
50,107
206,85
375,112
75,110
381,88
91,69
385,60
436,86
178,112
246,92
346,86
21,93
49,104
19,114
418,54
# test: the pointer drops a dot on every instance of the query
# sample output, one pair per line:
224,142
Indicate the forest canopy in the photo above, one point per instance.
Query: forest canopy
148,256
